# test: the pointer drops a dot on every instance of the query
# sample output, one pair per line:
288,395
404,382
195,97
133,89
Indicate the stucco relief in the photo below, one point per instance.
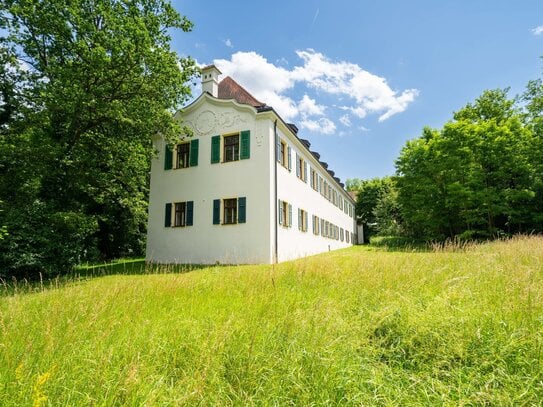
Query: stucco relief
205,122
259,139
229,119
188,123
209,122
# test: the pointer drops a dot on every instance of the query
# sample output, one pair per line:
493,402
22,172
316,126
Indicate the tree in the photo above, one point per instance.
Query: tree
353,184
474,177
533,115
100,80
377,207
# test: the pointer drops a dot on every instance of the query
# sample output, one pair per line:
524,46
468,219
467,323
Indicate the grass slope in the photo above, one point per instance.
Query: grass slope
351,327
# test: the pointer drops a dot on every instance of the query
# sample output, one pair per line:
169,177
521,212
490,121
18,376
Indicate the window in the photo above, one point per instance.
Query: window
323,228
181,212
235,147
321,185
283,154
302,220
230,211
233,211
314,179
186,155
316,222
301,168
285,214
341,233
231,148
183,151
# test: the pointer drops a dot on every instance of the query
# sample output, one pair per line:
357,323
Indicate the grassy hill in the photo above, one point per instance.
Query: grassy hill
356,326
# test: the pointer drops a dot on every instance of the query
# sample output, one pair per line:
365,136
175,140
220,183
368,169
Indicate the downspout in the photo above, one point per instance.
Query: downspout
275,192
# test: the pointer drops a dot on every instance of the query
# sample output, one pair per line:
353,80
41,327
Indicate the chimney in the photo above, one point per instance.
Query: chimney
210,80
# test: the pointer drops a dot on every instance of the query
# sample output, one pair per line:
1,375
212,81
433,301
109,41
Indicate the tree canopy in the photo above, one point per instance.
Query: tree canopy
85,86
479,176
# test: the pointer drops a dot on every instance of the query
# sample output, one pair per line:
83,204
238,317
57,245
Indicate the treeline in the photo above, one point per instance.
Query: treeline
84,85
480,176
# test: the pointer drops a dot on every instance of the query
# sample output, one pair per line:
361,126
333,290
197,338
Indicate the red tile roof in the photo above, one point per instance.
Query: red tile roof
230,89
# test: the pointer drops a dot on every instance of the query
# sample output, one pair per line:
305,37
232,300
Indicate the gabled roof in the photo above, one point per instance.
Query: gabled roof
230,89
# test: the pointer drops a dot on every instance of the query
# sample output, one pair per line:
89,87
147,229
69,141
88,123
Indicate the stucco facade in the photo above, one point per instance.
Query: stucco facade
206,226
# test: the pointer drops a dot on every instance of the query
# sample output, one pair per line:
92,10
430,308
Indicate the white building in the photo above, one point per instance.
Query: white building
244,189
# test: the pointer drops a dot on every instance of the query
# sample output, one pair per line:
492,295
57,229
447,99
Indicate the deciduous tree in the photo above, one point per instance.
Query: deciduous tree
100,80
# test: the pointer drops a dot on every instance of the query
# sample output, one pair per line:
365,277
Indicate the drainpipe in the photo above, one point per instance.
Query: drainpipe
275,190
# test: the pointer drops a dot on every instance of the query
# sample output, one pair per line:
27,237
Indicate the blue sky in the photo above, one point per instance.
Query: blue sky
360,78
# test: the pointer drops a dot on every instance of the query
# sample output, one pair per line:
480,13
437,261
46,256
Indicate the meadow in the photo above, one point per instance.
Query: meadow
456,325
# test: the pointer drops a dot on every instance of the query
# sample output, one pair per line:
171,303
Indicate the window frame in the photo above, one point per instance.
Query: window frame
236,146
284,154
179,214
233,211
284,214
177,147
302,220
301,167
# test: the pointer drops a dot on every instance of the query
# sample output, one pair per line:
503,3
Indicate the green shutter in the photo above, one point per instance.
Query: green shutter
242,203
216,211
215,149
168,157
289,159
194,152
280,212
299,219
298,169
190,211
305,171
245,145
306,220
278,149
168,215
289,215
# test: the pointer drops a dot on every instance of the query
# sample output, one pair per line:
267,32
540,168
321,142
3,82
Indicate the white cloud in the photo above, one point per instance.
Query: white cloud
360,91
537,30
370,92
308,107
322,125
345,120
264,80
228,43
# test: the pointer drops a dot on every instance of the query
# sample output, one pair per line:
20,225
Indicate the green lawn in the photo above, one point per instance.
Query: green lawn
359,326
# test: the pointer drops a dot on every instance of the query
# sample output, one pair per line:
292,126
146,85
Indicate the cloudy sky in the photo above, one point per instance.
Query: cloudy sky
360,78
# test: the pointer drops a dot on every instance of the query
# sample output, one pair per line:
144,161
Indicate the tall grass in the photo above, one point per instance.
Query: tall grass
351,327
